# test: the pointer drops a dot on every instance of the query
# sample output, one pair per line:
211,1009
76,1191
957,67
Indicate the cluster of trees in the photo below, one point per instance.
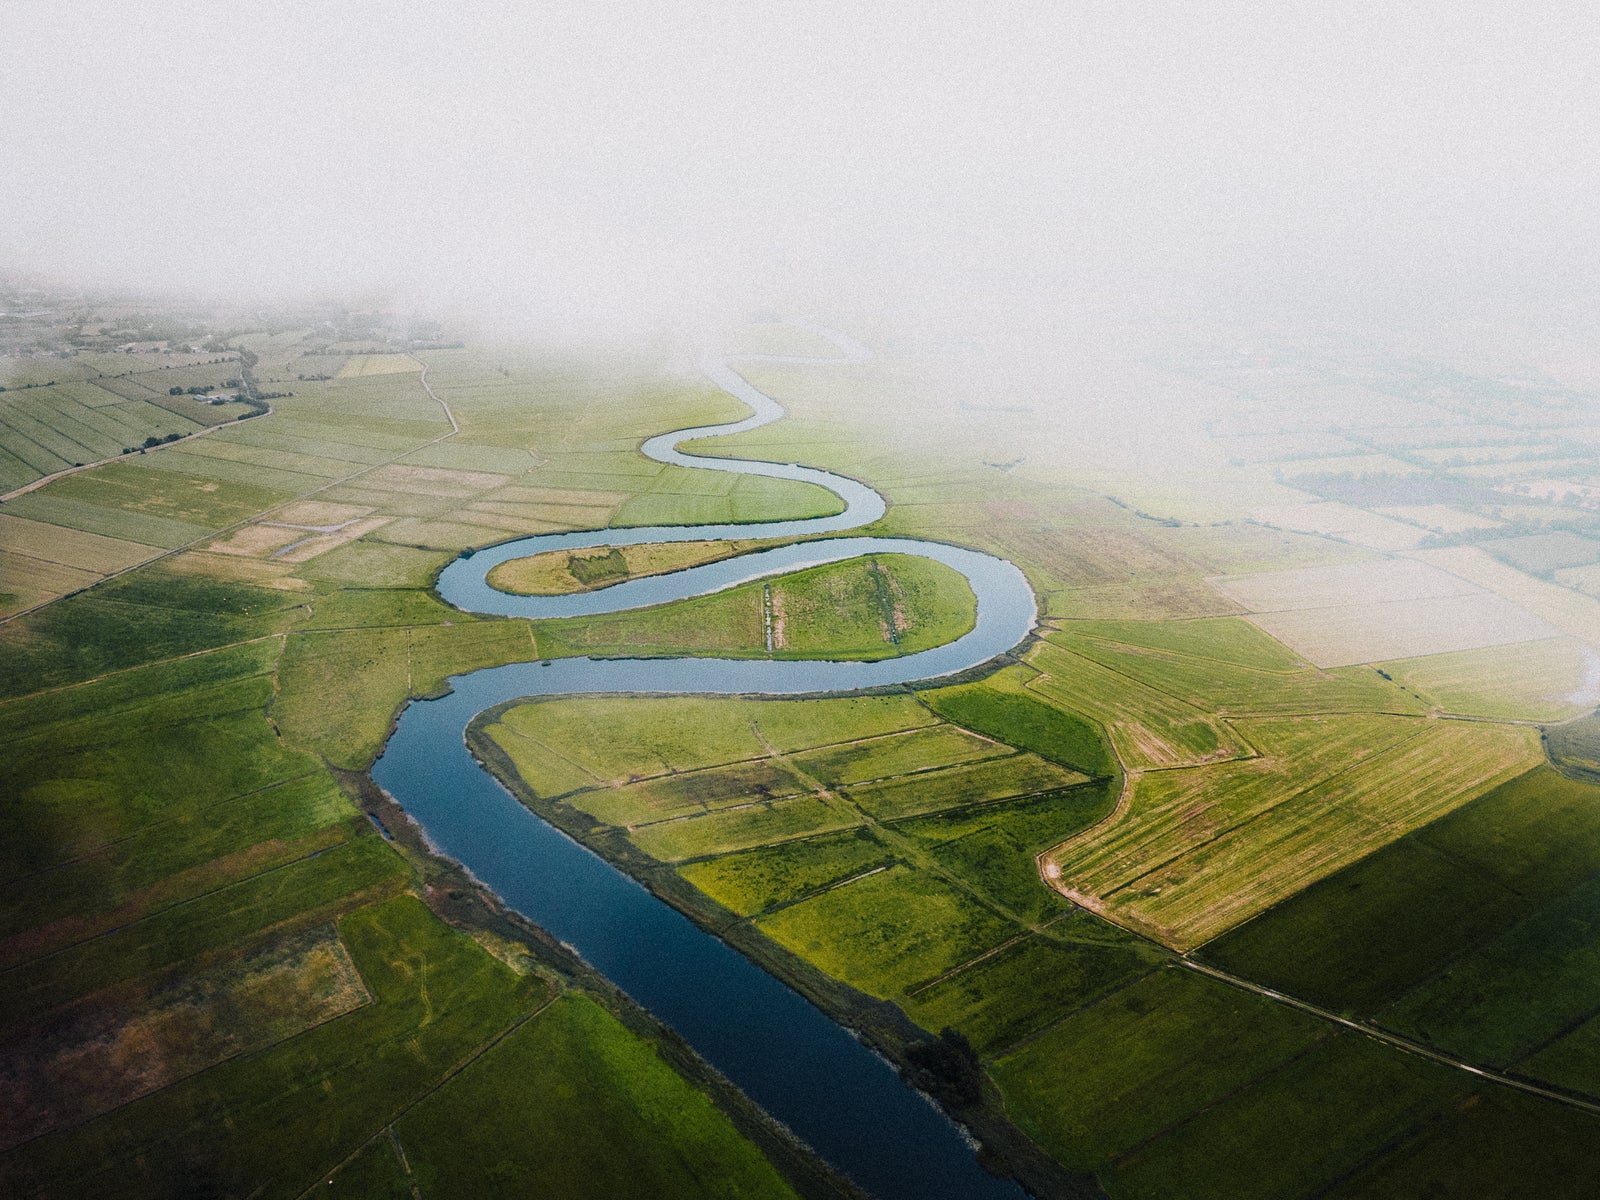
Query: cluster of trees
150,443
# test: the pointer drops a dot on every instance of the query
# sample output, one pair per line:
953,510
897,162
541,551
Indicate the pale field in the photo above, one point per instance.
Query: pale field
1201,496
1549,680
432,481
1569,611
1278,447
377,364
1355,464
1364,633
1535,472
1384,609
323,542
1441,518
1463,455
90,552
1565,490
256,541
1584,579
318,512
1342,521
1374,581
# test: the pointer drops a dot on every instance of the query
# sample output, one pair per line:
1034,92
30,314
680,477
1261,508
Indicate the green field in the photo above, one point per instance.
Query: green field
227,968
862,608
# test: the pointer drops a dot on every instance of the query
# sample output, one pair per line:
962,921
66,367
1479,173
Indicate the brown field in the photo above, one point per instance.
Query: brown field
234,567
114,1046
256,541
323,542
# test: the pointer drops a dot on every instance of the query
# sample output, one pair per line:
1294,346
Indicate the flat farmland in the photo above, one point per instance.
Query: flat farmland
1197,852
378,364
1548,680
1385,609
1334,519
1147,727
1229,688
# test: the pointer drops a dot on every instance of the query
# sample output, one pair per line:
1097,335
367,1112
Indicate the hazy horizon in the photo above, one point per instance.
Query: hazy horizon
611,165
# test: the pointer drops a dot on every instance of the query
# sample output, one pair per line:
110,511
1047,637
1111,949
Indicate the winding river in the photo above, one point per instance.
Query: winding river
788,1056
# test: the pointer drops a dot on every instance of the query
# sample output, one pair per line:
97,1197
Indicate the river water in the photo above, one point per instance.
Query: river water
845,1101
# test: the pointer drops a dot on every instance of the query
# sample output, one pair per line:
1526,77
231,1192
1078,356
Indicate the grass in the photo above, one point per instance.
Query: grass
896,754
1512,994
1534,681
730,829
755,881
253,1123
1224,687
993,848
1496,1144
1199,851
1001,707
1147,727
1009,996
1112,1075
1363,937
1269,1140
962,786
688,793
134,1041
346,725
861,608
888,932
573,1104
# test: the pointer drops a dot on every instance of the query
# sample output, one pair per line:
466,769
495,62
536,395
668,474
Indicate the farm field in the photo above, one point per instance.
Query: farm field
228,965
202,918
876,607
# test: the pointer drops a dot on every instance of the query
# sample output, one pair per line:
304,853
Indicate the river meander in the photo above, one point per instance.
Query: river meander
788,1056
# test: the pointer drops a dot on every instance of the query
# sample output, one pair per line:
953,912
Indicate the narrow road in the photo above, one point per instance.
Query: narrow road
1570,1099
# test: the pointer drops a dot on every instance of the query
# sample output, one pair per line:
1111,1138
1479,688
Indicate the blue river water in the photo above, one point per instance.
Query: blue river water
841,1098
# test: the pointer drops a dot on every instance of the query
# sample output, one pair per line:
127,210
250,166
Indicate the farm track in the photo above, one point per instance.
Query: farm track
1377,1033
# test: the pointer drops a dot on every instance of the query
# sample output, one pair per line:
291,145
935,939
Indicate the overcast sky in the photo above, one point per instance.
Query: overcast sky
660,159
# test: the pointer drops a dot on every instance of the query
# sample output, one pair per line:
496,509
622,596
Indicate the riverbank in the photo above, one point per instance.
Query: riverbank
452,893
1003,1149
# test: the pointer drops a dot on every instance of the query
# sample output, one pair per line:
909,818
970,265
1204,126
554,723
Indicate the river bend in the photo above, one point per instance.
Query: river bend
788,1056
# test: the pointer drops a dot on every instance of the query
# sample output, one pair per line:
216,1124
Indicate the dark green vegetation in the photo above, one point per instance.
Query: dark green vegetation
1476,934
218,973
220,977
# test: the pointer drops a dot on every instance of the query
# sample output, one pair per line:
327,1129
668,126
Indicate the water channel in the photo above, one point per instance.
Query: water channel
845,1101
